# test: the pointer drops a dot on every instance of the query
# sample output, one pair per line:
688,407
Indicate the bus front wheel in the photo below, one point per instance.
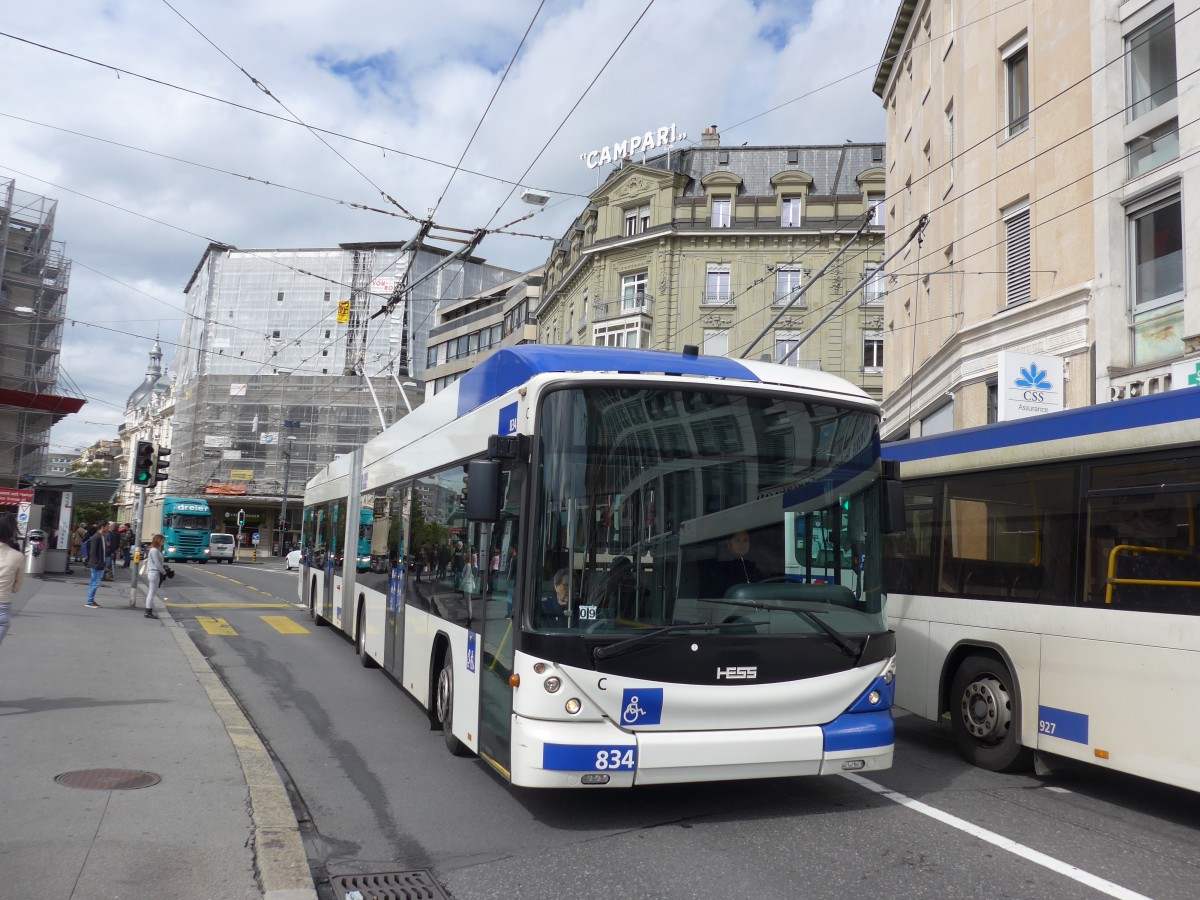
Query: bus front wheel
983,711
360,641
445,706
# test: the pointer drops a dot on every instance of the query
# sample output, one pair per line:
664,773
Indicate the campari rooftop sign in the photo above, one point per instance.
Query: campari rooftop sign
665,136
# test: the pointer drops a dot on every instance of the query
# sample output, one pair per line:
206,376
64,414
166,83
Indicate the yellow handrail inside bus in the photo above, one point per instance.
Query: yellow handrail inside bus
1113,580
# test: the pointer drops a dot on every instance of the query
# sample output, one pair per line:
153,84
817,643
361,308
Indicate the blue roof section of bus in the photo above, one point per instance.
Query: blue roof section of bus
1119,415
512,366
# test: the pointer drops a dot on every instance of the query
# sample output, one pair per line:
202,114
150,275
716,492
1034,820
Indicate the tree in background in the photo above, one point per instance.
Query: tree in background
87,514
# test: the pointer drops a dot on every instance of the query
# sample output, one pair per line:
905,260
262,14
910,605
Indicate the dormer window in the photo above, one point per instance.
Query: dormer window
789,216
637,219
721,212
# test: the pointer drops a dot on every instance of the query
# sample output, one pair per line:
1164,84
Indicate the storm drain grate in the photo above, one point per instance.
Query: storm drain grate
108,779
414,885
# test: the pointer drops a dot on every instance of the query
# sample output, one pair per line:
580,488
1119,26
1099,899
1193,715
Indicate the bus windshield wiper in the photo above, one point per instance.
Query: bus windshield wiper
629,643
840,639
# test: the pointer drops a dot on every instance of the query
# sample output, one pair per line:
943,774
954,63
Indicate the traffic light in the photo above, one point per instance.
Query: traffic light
162,462
241,520
143,463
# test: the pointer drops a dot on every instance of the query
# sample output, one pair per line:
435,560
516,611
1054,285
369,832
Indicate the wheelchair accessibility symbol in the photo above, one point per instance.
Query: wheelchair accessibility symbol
641,706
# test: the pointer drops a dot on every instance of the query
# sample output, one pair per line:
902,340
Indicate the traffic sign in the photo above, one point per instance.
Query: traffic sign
254,538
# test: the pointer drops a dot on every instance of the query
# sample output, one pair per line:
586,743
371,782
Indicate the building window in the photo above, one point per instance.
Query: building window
722,157
1016,79
583,313
787,349
327,296
721,210
793,157
950,147
872,351
716,283
1152,149
877,211
1152,65
637,220
789,216
788,280
1156,236
1017,256
716,341
621,334
431,356
279,297
633,291
876,287
1151,85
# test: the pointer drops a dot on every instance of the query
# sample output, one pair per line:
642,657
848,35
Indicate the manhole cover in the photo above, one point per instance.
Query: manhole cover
108,779
415,885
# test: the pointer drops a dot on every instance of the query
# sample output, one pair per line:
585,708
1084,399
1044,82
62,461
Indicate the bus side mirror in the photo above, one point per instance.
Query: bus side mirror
483,490
893,499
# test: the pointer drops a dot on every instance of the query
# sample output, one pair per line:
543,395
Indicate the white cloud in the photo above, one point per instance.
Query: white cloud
414,77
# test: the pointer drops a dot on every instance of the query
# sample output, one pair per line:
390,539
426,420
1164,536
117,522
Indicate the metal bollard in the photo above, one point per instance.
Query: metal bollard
133,577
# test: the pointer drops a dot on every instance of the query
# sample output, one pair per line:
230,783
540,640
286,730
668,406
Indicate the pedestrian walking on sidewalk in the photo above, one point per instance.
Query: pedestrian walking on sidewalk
77,540
95,555
12,569
156,568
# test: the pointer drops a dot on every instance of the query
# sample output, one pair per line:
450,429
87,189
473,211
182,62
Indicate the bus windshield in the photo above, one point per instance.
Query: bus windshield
747,512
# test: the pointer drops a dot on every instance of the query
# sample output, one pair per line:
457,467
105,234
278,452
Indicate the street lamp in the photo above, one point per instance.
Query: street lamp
287,471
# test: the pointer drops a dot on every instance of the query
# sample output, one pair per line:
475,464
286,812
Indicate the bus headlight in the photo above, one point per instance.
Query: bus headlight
874,697
539,668
552,684
573,705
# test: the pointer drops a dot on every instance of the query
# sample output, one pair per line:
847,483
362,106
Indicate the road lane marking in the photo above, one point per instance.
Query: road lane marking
216,626
1055,865
284,625
225,605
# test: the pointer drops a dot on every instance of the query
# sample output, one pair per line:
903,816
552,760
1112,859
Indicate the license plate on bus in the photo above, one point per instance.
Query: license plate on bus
583,758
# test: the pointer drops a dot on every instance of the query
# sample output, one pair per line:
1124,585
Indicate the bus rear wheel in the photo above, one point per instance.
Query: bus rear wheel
983,712
444,706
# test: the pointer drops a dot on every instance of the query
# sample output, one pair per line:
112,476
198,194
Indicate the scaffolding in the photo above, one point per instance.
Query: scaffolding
34,274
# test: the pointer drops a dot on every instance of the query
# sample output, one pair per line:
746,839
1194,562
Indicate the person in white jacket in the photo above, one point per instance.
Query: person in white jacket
156,570
12,569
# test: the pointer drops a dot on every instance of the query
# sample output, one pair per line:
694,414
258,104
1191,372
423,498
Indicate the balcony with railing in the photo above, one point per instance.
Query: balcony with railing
637,303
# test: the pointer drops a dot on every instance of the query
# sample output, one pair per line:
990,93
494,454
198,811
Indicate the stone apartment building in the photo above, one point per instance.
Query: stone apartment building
710,245
1049,145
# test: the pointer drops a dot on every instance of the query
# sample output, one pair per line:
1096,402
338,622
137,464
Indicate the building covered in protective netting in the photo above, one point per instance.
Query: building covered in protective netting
289,358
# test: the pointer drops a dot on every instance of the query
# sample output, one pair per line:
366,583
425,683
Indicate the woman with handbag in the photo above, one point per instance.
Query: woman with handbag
156,570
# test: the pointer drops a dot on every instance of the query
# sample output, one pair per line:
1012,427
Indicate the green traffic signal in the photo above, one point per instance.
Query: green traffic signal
143,463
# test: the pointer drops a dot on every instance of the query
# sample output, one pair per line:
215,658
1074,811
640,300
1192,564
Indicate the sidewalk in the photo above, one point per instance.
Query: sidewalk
121,700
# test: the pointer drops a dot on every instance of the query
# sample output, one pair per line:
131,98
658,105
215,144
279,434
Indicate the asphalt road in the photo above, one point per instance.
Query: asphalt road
381,794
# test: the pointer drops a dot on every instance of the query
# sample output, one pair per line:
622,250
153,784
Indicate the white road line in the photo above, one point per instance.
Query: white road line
1041,859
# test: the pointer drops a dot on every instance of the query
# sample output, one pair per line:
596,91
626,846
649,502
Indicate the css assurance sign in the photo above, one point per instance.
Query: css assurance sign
1029,385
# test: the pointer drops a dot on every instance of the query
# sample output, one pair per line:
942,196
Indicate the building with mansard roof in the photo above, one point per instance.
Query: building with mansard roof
751,252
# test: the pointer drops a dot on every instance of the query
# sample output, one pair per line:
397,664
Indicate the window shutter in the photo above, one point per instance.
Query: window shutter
1016,263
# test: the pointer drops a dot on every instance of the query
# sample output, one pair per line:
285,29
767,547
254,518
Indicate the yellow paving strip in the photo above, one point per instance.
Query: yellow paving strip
216,626
284,625
228,605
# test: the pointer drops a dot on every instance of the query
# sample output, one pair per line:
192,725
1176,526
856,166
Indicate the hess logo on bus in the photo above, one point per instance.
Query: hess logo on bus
737,673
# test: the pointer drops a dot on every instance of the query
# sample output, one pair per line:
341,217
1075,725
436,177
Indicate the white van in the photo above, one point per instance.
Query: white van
221,547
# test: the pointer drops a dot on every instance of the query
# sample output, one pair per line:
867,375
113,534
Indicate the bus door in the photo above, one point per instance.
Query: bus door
399,502
498,584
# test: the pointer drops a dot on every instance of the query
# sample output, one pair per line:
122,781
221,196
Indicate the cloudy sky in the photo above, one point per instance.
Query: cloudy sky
141,119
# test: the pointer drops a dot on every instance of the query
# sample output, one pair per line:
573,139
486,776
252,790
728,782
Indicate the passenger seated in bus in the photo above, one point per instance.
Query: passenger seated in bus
736,568
616,590
553,609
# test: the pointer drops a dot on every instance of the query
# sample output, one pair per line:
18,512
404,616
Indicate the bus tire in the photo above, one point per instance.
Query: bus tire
360,640
444,706
312,604
983,714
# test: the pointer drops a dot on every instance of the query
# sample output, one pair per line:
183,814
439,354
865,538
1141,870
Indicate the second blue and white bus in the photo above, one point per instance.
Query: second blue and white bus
1046,591
560,593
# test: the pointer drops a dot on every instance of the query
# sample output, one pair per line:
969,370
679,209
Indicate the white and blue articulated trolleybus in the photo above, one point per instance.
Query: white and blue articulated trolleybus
586,580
